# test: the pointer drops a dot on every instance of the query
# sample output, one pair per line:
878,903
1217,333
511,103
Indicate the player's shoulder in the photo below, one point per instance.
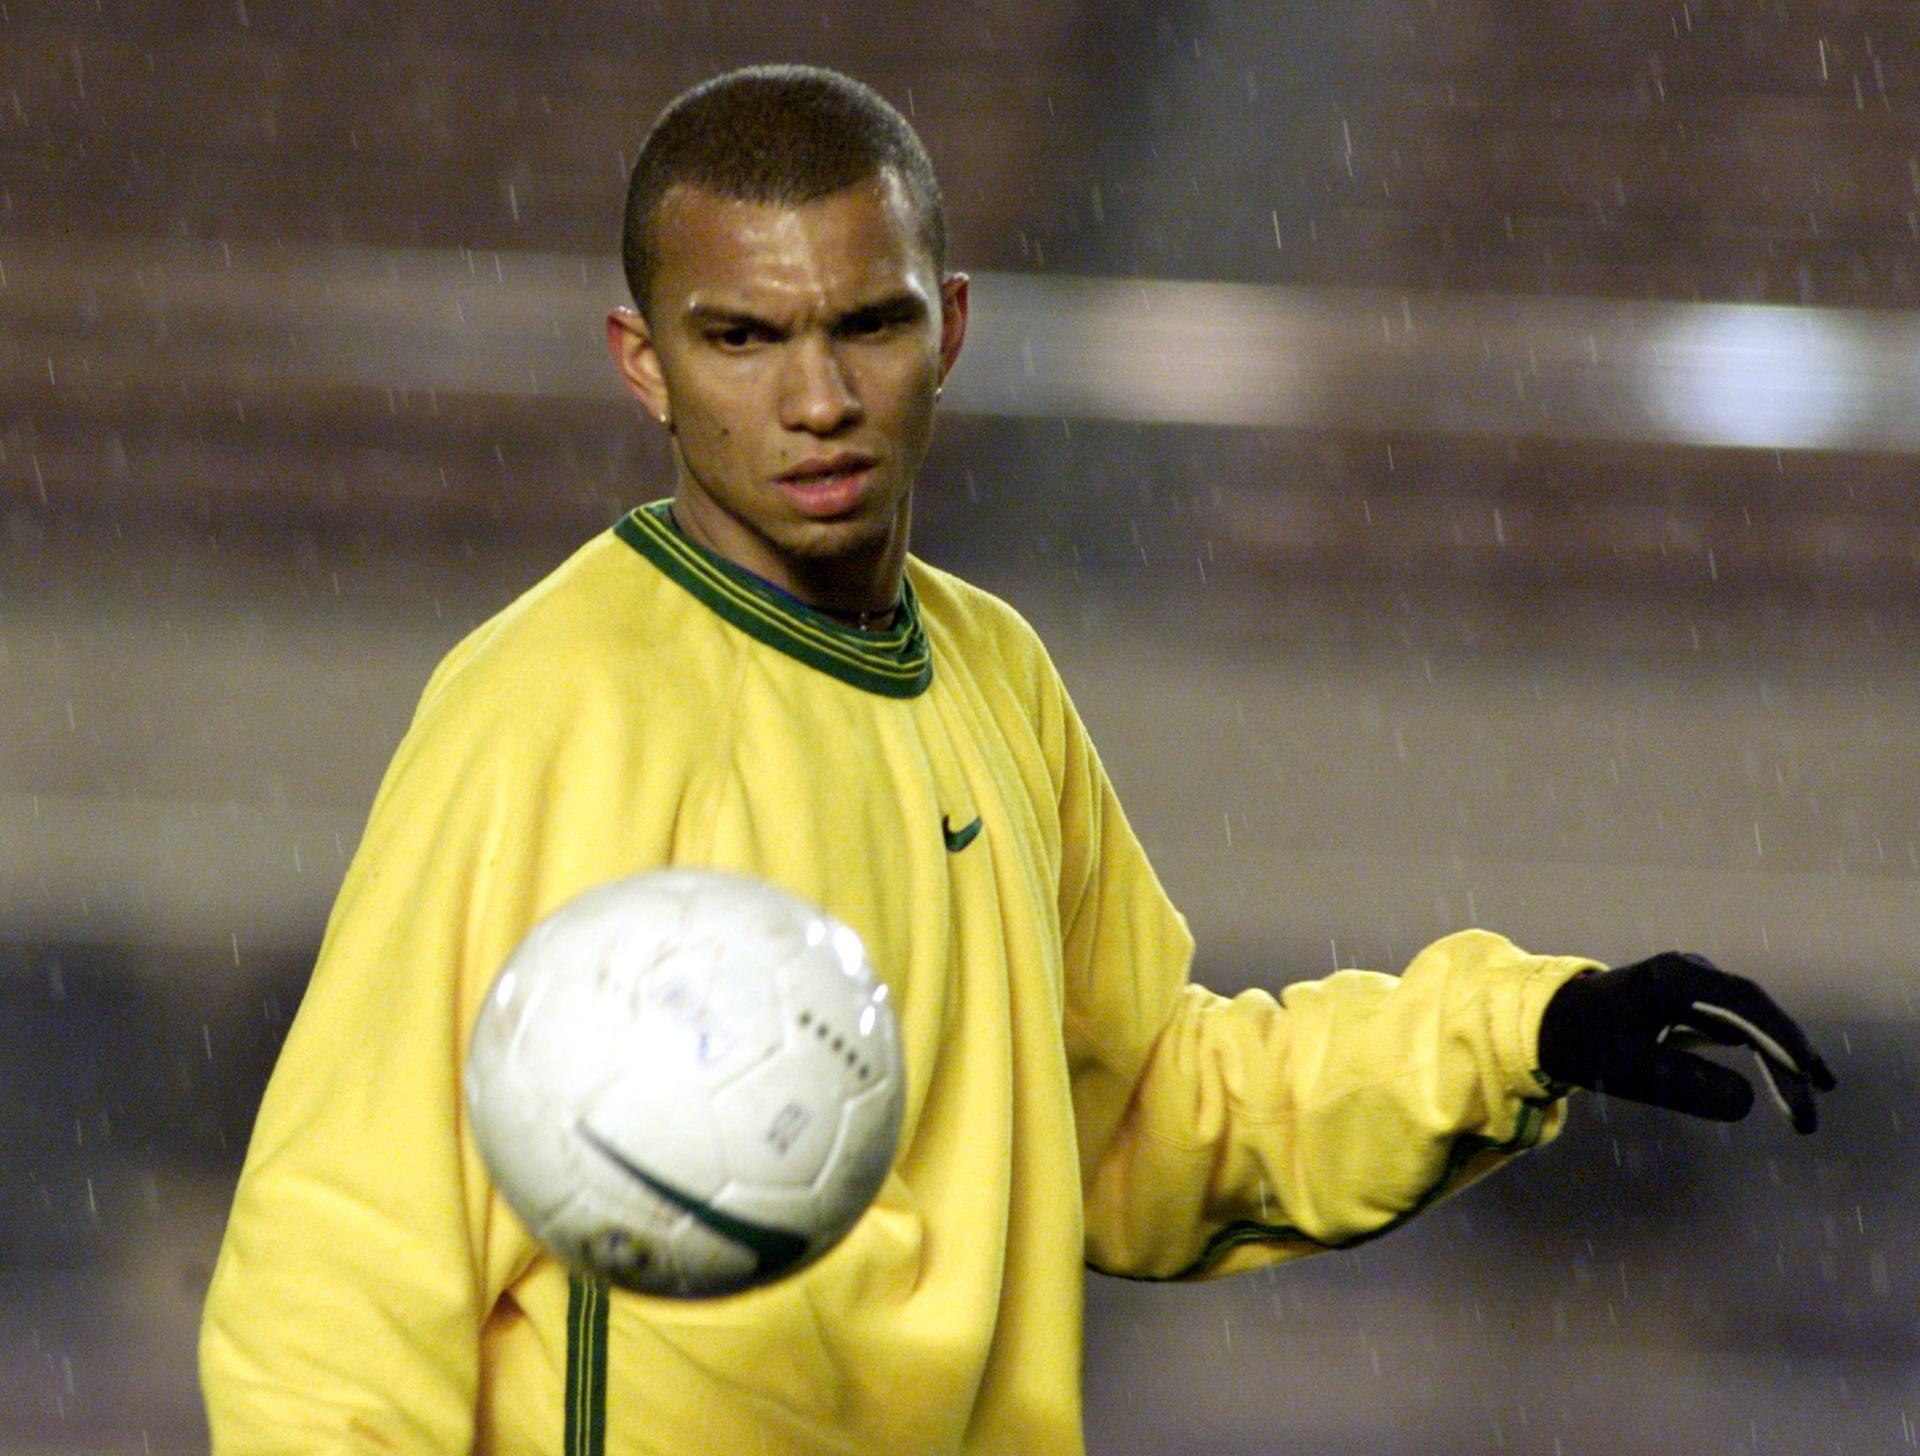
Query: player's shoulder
982,639
558,640
972,619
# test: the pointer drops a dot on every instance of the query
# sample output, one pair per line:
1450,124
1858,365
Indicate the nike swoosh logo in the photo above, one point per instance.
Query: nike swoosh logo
774,1250
959,839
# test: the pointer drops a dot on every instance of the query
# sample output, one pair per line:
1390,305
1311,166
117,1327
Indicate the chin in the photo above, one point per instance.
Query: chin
824,543
858,533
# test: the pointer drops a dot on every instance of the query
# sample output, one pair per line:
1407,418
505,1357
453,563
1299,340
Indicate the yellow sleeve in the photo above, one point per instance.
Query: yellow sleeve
1219,1134
363,1250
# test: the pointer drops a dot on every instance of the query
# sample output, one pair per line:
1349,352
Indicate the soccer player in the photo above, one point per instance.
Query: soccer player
755,675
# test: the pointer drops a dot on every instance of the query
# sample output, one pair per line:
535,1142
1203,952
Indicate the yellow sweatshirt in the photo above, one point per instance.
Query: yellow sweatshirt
1071,1100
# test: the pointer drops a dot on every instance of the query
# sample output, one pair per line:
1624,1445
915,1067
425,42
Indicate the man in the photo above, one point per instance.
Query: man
756,676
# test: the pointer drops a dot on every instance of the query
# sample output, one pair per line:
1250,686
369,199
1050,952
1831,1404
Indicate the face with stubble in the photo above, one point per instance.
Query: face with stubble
795,354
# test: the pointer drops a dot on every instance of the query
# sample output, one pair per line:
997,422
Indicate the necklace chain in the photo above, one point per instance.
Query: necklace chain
866,621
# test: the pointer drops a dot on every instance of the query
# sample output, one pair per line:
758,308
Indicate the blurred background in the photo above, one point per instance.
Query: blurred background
1462,455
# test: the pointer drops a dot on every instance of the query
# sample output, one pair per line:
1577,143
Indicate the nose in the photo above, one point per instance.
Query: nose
817,393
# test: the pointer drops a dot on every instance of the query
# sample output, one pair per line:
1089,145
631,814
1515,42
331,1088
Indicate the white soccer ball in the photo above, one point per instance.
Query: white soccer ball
688,1082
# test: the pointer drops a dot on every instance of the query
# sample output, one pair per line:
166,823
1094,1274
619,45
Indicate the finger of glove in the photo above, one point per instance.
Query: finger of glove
1790,1090
1679,1036
1792,1094
1680,1082
1733,1010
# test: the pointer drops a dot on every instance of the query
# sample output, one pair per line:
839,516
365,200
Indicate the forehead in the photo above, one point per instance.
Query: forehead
859,242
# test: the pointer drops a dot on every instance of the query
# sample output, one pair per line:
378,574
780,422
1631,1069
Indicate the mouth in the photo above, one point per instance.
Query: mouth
828,485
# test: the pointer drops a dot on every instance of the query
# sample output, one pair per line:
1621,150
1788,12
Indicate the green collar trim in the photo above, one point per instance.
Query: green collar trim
896,663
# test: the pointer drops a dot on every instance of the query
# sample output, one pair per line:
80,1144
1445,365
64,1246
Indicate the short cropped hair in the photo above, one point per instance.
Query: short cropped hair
774,134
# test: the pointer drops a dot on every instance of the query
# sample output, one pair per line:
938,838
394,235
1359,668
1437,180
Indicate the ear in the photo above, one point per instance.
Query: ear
953,320
631,344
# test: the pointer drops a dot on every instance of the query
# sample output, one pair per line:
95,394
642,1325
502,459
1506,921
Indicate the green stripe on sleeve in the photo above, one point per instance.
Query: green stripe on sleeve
586,1429
1532,1122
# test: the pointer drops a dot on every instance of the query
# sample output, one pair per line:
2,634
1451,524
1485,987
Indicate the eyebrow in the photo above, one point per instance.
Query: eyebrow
705,315
894,308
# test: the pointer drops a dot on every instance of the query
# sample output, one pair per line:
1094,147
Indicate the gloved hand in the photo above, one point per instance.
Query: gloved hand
1623,1032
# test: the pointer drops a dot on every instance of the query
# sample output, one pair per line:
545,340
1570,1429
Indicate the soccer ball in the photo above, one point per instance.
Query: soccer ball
687,1082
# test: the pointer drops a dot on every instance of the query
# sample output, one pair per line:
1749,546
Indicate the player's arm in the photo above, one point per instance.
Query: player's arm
1263,1128
1257,1128
363,1251
1215,1133
1220,1133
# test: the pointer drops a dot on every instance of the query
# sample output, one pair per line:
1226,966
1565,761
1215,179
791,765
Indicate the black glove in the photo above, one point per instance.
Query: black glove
1622,1032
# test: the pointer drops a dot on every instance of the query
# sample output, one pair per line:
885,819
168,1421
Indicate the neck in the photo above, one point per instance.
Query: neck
876,621
871,608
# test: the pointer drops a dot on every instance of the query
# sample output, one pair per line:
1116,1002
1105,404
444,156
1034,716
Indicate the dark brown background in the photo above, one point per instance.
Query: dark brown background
1479,590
